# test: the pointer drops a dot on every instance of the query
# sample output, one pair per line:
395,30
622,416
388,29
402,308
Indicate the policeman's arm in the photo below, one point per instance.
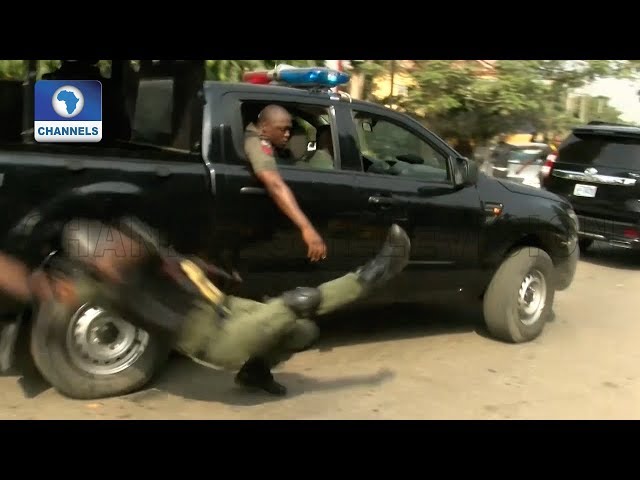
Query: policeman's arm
264,165
286,201
284,198
265,168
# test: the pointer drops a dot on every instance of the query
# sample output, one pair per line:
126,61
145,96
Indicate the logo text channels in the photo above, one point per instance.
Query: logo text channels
68,111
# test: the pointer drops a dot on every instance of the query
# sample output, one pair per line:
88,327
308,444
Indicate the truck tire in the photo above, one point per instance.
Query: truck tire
519,300
83,357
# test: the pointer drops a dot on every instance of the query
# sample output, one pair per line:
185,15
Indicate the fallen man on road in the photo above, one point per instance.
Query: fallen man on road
178,298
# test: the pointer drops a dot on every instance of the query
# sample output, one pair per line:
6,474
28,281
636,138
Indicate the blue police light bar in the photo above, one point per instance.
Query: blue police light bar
311,77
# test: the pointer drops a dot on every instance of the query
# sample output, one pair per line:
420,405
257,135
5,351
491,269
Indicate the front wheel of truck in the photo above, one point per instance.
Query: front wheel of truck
91,353
519,300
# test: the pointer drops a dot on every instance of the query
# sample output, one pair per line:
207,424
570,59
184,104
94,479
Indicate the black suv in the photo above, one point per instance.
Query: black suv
598,170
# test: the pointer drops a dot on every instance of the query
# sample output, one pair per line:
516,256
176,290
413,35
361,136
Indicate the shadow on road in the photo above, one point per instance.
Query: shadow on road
399,321
604,255
187,379
365,324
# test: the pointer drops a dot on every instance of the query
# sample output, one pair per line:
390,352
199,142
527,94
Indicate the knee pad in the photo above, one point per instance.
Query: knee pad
304,301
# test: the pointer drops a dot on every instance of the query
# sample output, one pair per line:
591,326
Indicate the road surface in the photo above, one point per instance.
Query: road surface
417,363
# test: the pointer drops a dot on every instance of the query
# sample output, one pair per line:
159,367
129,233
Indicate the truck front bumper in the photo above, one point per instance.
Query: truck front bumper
566,265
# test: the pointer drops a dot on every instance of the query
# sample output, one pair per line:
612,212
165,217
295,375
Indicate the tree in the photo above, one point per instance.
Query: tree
12,70
458,99
362,74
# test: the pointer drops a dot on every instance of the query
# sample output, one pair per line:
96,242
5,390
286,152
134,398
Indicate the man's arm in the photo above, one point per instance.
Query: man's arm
264,166
14,278
284,197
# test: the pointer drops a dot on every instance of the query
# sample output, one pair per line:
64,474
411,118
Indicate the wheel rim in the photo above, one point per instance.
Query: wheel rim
100,343
532,297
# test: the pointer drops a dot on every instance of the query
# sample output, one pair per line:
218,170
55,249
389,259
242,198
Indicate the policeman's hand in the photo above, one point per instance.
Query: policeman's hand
316,247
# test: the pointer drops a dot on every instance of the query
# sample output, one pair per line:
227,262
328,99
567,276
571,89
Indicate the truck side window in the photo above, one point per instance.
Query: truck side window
153,112
166,109
311,143
390,149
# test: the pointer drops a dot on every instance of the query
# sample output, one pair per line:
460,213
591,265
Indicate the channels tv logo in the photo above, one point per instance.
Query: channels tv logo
68,111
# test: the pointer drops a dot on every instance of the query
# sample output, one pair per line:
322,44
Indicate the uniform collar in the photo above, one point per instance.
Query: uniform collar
255,130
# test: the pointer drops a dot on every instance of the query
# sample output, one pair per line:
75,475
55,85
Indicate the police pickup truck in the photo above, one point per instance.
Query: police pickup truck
172,153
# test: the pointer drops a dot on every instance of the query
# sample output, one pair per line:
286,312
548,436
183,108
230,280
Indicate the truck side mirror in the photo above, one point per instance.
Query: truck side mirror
466,171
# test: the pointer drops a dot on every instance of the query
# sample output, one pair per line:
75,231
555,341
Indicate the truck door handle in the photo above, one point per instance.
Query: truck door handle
163,172
75,165
253,191
378,200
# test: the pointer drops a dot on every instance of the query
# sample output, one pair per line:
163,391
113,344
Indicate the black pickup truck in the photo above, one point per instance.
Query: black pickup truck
172,154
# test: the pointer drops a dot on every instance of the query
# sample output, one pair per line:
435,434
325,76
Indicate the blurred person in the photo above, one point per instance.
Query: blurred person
176,297
322,158
19,285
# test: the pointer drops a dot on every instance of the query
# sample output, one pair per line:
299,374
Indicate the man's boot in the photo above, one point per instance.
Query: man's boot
256,373
390,261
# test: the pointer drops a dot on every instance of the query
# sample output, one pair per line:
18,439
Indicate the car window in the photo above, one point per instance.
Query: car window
598,150
152,122
307,148
388,148
528,154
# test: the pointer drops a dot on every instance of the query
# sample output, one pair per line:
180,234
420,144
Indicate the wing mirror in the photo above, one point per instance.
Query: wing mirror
466,171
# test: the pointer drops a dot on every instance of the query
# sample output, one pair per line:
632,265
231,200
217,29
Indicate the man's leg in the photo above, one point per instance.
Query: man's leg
229,341
256,371
391,260
254,338
328,297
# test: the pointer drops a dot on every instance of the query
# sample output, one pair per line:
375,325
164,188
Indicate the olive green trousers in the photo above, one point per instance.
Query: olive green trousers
269,330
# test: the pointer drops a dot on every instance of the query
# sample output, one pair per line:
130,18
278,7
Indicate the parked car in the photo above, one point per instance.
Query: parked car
598,170
521,163
182,168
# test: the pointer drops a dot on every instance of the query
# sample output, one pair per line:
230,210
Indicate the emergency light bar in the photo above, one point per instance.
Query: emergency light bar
318,77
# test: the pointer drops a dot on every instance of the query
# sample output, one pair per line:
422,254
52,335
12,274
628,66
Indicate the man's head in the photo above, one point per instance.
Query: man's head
275,125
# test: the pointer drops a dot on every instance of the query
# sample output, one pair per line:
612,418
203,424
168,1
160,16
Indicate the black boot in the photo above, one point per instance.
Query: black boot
390,261
255,373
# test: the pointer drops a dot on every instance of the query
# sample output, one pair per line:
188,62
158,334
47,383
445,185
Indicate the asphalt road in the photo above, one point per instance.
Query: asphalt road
417,363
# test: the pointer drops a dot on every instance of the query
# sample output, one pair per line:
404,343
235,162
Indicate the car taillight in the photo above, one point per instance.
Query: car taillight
548,165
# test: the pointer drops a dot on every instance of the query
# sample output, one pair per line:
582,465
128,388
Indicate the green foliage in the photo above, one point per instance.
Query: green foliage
458,99
12,70
230,70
